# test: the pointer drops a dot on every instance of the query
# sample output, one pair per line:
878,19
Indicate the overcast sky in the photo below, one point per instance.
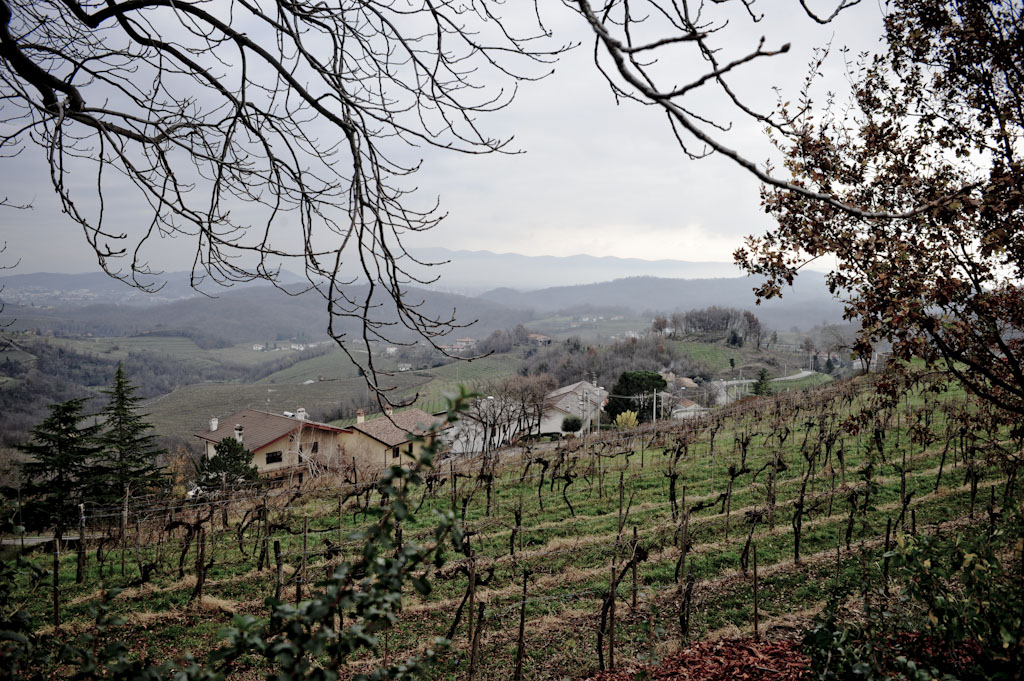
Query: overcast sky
594,178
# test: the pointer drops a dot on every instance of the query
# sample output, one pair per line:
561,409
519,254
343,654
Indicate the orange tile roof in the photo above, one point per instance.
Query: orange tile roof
260,428
395,431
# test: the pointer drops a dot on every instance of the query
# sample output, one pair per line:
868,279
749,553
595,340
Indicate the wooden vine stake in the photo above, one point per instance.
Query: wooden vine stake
521,643
633,602
80,569
611,621
124,531
472,594
277,562
885,558
757,631
301,577
56,581
476,641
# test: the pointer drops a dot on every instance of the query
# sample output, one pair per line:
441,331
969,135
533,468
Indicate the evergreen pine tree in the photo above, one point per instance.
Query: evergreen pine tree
230,465
129,448
59,473
763,384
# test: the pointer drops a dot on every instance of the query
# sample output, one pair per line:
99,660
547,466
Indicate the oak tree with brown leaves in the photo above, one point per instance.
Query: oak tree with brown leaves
934,132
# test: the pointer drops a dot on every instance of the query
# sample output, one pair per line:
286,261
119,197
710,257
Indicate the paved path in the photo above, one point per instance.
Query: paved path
796,377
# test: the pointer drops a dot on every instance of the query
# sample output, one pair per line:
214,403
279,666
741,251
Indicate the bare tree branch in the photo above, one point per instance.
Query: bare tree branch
261,131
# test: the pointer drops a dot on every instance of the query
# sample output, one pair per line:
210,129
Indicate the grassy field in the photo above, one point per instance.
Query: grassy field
175,347
332,366
473,374
575,527
188,409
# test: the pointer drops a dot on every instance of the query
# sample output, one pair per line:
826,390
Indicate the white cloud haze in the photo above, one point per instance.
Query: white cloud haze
594,178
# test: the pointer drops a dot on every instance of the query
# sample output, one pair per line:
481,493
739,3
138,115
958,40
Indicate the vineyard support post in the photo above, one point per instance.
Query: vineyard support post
277,561
885,558
56,581
80,570
300,578
633,602
124,530
611,620
476,641
757,631
521,643
472,594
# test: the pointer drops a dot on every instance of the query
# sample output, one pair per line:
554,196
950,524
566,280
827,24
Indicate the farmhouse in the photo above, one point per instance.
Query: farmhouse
282,445
582,399
385,440
686,409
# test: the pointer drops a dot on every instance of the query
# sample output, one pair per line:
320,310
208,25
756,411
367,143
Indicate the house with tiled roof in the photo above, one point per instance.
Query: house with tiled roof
581,399
387,439
284,445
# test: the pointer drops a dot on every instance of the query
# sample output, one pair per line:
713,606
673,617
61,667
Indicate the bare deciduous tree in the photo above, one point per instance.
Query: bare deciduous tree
260,130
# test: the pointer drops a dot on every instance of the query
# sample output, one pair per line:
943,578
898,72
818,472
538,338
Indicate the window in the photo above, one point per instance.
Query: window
394,453
408,449
273,457
315,448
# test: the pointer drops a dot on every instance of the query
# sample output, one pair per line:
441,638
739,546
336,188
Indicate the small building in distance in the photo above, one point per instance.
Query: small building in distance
283,446
686,409
581,399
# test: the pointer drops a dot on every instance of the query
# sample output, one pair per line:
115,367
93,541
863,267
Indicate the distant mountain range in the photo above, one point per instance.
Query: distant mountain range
464,272
804,305
473,272
80,304
45,289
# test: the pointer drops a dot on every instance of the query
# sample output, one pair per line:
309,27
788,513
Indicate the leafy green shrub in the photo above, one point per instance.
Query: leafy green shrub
571,424
957,591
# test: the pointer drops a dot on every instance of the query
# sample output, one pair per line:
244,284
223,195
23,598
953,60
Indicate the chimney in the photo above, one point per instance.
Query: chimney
300,413
360,416
214,423
387,410
238,432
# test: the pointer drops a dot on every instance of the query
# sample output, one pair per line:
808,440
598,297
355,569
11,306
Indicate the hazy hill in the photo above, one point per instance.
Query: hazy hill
46,289
478,271
806,304
254,313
